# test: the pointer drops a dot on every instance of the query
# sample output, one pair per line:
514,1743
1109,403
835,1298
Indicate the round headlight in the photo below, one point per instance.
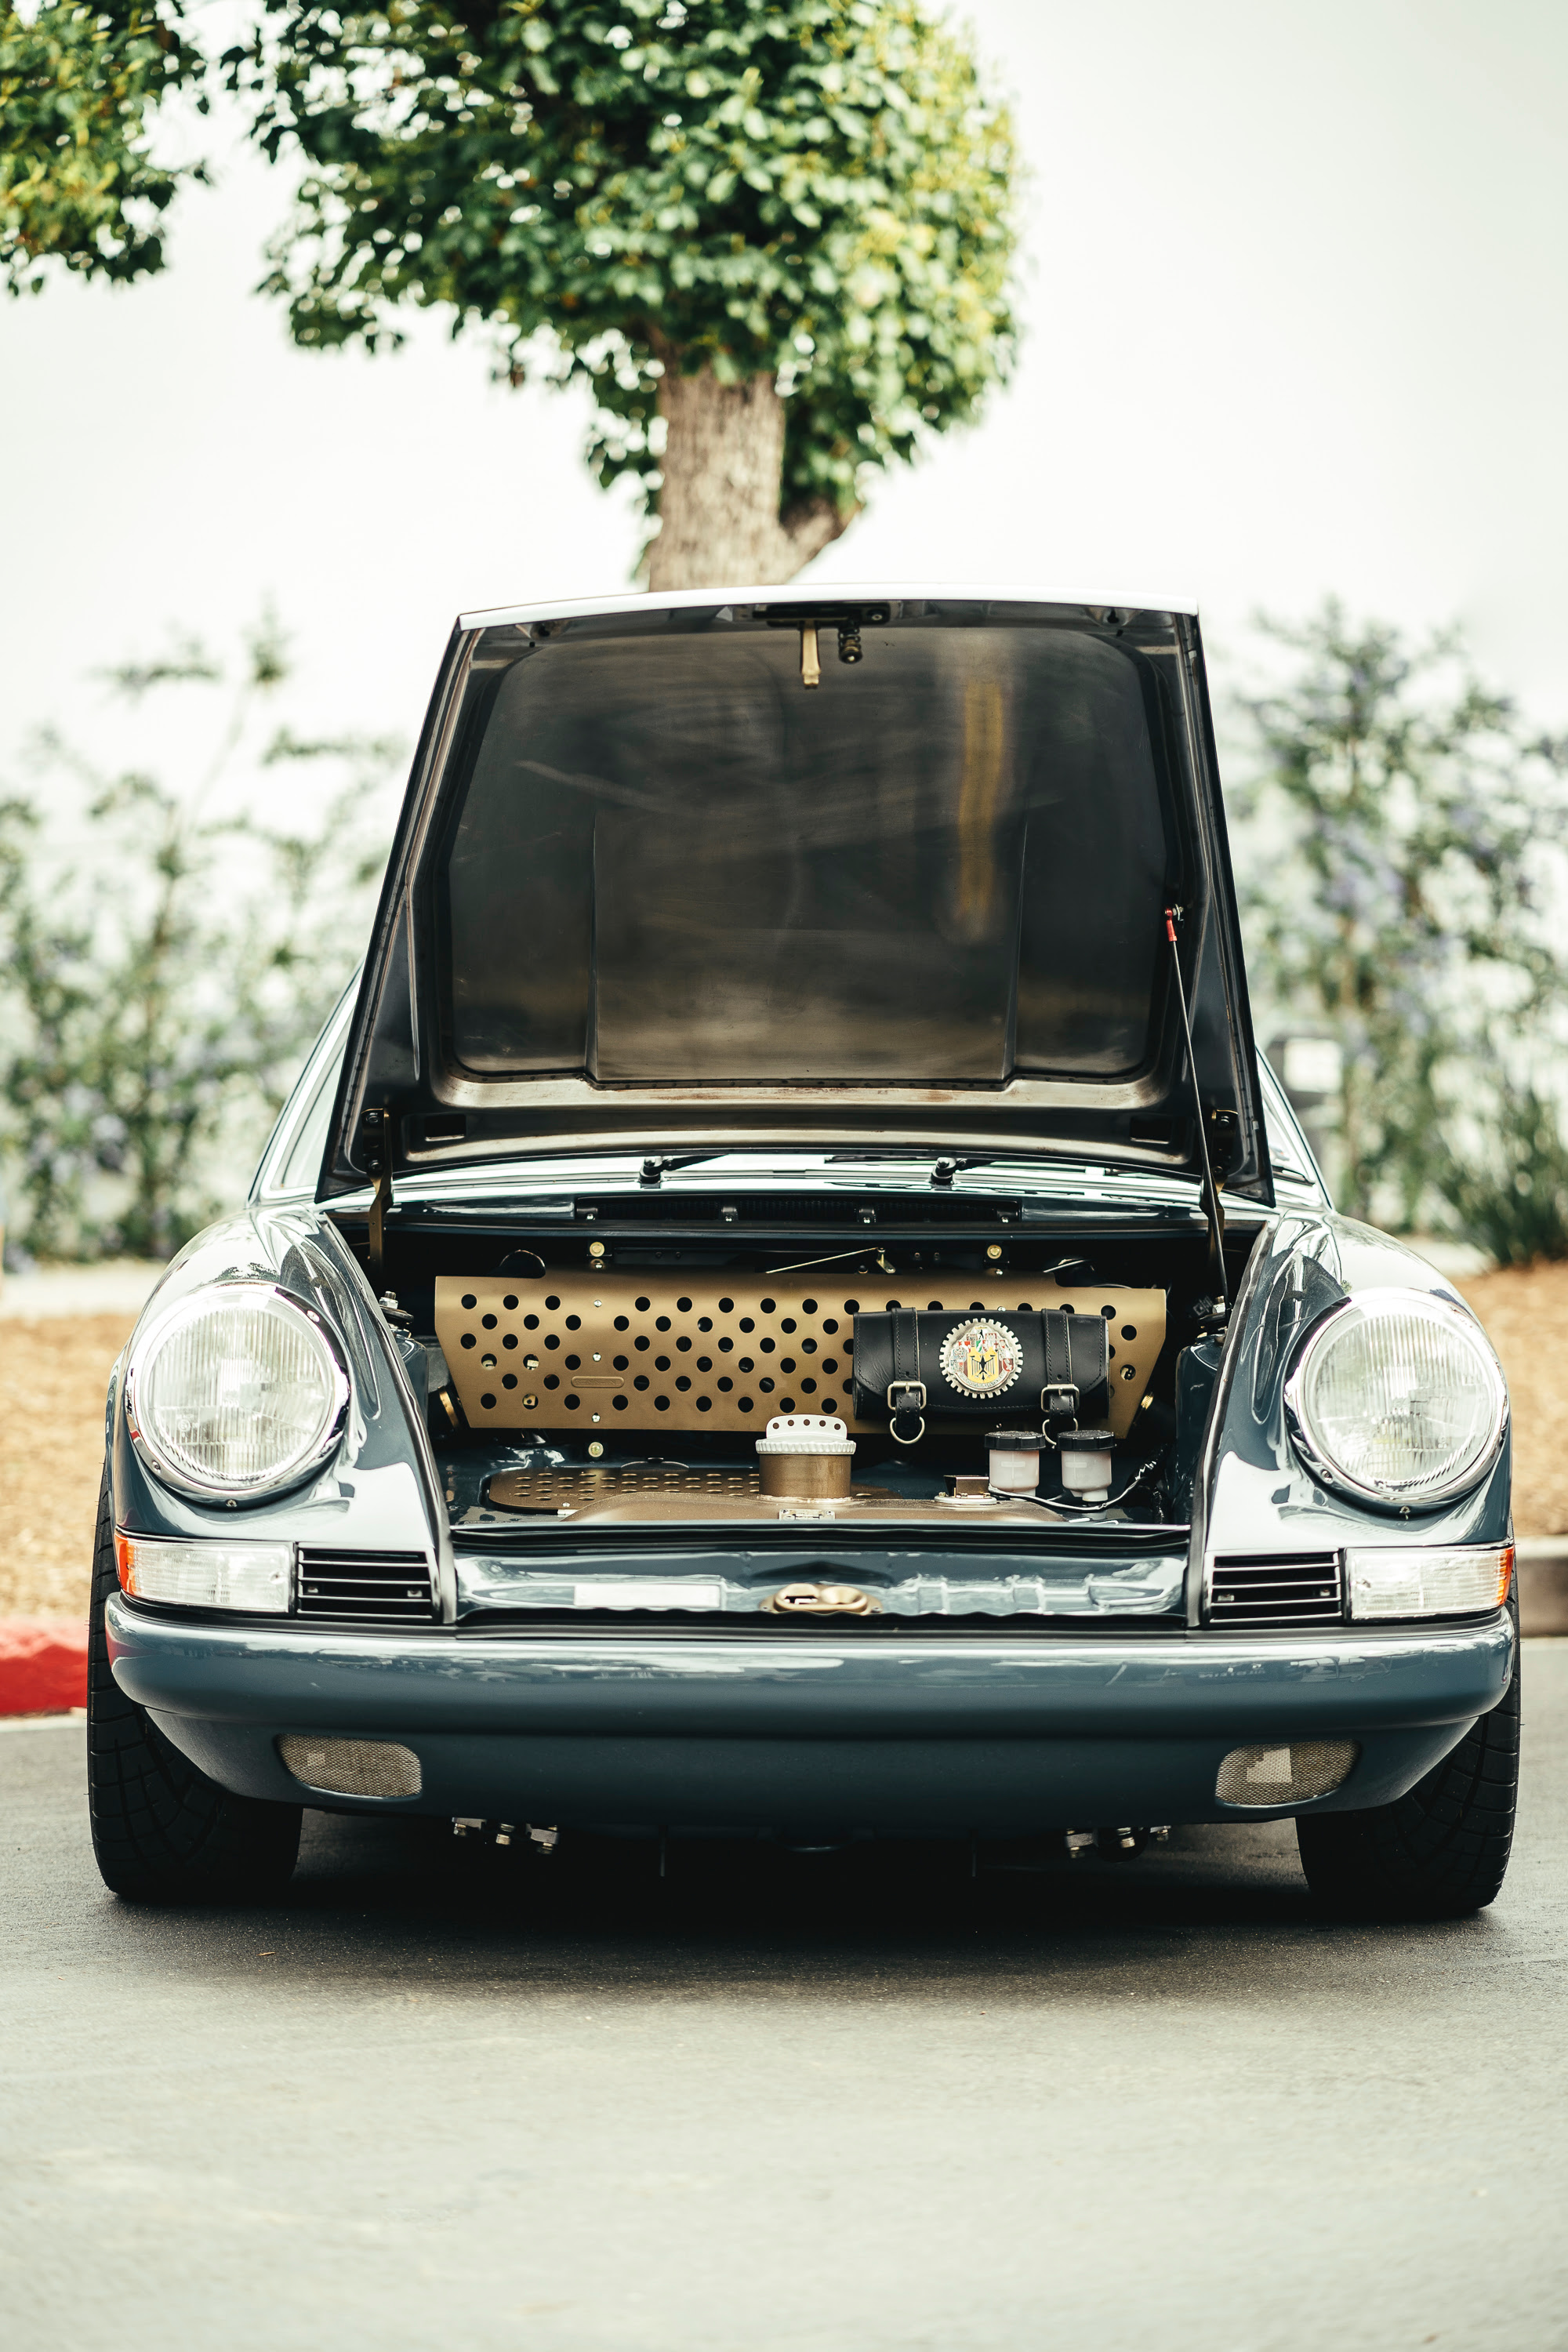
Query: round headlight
1397,1398
238,1392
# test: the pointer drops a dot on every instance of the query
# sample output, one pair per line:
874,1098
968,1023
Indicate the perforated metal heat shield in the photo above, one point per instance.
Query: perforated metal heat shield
642,1351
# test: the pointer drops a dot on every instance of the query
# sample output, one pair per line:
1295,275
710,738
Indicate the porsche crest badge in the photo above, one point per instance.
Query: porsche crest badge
980,1359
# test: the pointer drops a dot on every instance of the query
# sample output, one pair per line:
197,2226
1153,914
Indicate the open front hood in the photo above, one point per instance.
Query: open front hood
867,867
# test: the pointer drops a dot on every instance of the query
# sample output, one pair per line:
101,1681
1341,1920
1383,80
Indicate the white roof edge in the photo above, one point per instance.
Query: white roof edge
822,592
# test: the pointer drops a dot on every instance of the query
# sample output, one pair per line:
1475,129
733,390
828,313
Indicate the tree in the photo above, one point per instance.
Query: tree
1400,847
79,88
157,1004
771,236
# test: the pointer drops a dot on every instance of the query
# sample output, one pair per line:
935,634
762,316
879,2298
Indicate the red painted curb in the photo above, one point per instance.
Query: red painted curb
42,1666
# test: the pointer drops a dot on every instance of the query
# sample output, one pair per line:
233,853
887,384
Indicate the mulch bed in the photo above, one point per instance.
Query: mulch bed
53,1376
1525,1309
54,1373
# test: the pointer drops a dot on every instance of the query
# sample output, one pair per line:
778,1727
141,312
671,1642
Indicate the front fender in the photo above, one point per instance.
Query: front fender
381,1490
1255,1492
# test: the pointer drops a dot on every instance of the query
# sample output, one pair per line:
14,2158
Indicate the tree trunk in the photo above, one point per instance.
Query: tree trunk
719,525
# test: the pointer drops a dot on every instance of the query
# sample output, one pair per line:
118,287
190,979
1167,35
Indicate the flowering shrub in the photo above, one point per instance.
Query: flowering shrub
1400,850
161,988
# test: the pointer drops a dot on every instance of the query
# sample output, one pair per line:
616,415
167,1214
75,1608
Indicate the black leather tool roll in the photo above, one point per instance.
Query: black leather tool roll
1043,1366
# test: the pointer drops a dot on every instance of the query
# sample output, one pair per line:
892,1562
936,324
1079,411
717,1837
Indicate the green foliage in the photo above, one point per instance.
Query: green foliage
1399,848
1513,1200
818,191
814,189
161,998
79,87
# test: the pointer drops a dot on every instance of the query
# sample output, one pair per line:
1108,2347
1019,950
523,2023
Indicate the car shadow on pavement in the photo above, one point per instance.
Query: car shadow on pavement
726,1894
399,1907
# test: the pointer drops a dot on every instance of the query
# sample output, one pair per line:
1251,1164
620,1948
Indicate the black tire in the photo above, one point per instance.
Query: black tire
1439,1853
162,1832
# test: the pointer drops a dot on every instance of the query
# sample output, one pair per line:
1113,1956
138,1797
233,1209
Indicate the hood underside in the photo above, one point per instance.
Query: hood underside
871,865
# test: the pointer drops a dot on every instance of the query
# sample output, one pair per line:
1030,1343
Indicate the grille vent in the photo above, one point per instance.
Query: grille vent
383,1588
371,1768
1277,1588
1285,1776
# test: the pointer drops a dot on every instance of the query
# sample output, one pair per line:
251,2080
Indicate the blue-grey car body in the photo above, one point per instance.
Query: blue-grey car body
1108,1697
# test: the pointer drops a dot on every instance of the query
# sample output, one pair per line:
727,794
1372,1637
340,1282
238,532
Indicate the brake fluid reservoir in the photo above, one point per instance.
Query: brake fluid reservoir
1086,1463
1014,1461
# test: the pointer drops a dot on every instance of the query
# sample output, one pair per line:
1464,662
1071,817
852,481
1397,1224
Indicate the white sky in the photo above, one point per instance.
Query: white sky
1295,323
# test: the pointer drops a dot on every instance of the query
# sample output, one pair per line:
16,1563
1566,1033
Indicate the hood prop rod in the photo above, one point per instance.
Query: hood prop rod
378,1209
1220,1308
375,1131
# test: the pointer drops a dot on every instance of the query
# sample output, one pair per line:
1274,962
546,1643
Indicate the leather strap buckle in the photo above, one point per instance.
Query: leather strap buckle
907,1399
1059,1400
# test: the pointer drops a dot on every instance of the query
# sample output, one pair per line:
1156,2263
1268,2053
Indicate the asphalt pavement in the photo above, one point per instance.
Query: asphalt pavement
777,2103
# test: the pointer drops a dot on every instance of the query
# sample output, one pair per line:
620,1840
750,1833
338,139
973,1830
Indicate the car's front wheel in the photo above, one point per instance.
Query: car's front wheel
162,1832
1439,1853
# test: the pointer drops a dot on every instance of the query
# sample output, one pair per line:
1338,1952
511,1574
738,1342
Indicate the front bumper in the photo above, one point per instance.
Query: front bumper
928,1735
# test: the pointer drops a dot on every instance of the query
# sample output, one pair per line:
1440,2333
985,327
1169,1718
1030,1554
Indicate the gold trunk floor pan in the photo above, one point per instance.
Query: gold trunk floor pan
580,1350
533,1490
667,1491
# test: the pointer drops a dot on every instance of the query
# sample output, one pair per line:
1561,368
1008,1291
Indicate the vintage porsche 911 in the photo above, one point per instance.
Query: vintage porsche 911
785,1304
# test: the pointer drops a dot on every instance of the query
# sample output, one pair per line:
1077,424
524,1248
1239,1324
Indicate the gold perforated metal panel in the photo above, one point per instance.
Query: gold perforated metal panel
587,1351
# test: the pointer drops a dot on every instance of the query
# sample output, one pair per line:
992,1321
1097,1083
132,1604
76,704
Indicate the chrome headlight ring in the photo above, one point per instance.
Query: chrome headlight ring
161,1452
1446,1323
